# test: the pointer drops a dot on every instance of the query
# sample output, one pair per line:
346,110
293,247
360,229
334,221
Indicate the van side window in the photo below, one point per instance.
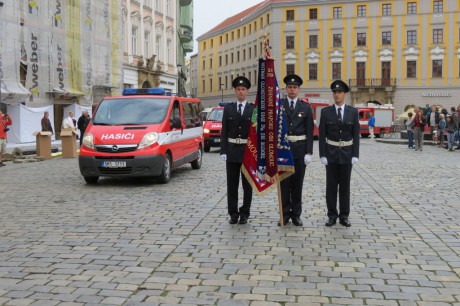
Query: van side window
361,115
175,112
191,114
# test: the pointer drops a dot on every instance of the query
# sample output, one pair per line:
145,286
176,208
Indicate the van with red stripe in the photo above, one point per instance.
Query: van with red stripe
143,133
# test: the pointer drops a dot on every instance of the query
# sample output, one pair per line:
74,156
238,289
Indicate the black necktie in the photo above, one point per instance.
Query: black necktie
339,113
240,106
292,105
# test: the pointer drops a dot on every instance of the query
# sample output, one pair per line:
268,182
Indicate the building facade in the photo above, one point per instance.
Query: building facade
400,52
157,33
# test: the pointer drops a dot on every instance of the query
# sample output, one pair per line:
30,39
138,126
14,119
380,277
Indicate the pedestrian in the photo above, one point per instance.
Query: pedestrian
451,128
46,123
69,122
339,133
442,129
456,118
82,124
419,128
433,121
371,124
299,121
236,121
410,131
5,121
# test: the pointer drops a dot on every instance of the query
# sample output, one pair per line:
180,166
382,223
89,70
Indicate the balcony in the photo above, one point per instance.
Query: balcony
185,2
186,34
372,83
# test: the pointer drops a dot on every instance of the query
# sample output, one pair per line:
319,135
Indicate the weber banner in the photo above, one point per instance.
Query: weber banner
268,158
11,90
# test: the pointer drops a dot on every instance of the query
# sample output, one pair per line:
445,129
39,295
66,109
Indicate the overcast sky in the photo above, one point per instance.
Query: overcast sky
209,13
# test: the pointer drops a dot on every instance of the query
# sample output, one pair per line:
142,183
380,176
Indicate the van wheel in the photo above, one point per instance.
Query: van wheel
166,173
91,179
207,148
196,164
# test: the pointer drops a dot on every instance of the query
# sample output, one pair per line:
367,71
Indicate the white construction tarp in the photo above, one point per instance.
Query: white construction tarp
12,91
27,120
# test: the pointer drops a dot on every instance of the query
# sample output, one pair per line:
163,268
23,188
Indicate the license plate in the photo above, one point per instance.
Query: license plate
217,140
114,164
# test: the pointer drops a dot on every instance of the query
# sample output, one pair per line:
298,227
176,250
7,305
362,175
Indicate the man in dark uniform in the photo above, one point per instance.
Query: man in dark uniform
299,122
338,149
234,136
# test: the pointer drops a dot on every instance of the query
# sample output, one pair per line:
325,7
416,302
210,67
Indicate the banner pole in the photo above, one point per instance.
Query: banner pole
280,203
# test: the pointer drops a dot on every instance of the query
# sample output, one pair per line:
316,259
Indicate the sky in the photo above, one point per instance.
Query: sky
209,13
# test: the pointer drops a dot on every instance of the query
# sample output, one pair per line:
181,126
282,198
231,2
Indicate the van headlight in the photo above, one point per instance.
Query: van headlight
88,140
148,140
206,131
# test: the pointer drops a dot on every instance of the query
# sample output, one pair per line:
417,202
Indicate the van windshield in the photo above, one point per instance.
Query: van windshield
131,111
216,114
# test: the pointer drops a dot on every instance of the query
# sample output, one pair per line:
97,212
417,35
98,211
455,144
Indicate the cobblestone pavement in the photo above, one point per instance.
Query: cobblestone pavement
131,242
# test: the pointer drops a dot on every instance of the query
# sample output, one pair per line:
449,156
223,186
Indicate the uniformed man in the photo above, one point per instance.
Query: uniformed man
234,136
338,149
299,122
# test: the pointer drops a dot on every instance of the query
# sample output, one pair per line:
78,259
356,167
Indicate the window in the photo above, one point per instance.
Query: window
313,14
412,8
337,41
411,69
437,6
169,50
146,44
147,3
386,9
290,15
158,5
158,46
312,71
244,54
168,8
226,59
237,56
210,85
220,60
134,40
411,37
203,83
255,50
361,11
289,42
313,40
210,63
204,65
386,38
437,36
290,68
437,68
336,71
249,52
337,12
361,39
231,58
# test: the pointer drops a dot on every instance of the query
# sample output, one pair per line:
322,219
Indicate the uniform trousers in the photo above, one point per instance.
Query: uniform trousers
338,177
233,180
291,191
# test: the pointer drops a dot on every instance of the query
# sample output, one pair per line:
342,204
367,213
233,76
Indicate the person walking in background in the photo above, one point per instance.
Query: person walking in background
233,139
46,123
82,124
451,128
69,122
371,124
410,131
456,118
433,121
299,122
442,129
419,127
339,133
5,121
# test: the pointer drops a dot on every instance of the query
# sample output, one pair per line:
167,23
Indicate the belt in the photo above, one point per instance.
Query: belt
238,140
340,143
296,138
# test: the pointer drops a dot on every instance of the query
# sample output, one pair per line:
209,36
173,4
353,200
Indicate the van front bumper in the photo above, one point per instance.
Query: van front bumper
136,166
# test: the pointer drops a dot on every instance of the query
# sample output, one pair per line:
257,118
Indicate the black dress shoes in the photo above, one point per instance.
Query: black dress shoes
243,220
345,222
285,222
296,221
331,221
233,220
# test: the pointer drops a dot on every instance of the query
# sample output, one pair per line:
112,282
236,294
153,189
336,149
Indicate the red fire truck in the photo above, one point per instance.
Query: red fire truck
384,118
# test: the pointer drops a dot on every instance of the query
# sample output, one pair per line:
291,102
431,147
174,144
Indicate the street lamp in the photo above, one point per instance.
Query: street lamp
222,90
179,78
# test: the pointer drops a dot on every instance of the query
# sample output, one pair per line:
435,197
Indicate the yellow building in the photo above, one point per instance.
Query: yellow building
400,52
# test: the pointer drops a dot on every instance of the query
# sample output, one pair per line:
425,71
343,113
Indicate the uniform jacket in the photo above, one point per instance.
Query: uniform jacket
4,124
299,122
234,126
332,129
46,125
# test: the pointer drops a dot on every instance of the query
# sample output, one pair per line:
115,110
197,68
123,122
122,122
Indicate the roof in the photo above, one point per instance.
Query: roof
242,15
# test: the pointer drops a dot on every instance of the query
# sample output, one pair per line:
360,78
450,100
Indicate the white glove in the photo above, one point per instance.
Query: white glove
223,157
354,160
307,159
324,160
